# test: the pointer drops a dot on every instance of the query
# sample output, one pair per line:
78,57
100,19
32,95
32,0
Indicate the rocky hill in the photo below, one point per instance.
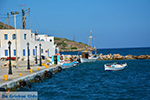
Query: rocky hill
5,26
68,45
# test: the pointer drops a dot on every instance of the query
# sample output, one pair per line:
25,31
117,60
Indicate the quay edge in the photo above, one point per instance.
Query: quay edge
12,85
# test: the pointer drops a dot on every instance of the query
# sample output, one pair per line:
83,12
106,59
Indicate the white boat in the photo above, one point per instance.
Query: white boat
88,57
114,66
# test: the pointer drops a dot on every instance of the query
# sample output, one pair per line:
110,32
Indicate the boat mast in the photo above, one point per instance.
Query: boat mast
91,38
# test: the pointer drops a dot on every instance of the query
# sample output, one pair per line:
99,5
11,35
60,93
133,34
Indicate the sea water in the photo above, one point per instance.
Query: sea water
89,81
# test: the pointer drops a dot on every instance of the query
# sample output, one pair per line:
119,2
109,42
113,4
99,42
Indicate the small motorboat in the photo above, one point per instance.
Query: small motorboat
115,66
70,64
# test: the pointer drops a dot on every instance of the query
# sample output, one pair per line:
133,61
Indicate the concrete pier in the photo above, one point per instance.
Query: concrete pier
26,75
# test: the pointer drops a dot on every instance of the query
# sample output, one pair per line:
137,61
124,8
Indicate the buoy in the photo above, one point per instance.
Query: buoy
31,71
20,74
37,79
5,77
59,69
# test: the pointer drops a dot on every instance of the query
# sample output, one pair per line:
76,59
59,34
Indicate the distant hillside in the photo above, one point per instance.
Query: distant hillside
5,26
68,45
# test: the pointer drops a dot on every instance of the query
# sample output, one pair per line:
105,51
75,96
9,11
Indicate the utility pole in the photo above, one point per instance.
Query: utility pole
29,18
23,17
8,19
73,37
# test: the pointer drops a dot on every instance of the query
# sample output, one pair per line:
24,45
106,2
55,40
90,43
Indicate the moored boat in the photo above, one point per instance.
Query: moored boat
114,66
88,57
70,64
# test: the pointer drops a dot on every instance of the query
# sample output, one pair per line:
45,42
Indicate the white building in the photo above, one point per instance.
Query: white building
23,37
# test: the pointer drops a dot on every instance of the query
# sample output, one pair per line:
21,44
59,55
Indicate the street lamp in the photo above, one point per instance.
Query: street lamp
28,56
9,47
15,13
40,55
36,55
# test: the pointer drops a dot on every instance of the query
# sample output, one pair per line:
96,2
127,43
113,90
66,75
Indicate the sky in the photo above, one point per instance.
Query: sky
114,23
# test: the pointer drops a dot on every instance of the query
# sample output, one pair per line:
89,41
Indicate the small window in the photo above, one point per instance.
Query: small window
24,53
42,39
14,36
33,52
50,40
31,35
14,52
5,36
25,36
6,52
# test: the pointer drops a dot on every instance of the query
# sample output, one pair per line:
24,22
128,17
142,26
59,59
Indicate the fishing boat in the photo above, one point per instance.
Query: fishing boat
88,57
114,66
70,64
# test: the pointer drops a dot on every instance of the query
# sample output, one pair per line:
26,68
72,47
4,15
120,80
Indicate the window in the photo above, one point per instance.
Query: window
14,52
25,36
50,40
6,52
5,36
42,39
31,35
14,36
24,53
33,52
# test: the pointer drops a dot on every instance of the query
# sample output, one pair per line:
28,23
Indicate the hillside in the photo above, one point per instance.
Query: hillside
5,26
68,45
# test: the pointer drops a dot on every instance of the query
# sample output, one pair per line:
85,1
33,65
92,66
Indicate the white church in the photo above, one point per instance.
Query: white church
19,39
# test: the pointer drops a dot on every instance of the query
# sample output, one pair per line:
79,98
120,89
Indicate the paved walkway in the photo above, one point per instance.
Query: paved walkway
20,69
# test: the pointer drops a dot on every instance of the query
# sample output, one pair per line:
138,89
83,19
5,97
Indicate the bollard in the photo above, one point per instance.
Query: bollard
20,74
31,71
43,64
38,68
5,77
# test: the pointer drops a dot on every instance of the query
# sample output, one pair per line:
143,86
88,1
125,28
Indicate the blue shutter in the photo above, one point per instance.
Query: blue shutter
33,52
24,53
14,52
5,36
6,52
25,36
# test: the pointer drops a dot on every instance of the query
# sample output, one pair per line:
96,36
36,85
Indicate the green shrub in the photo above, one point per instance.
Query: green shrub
74,48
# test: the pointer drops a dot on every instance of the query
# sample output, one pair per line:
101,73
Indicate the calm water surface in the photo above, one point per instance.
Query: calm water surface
89,81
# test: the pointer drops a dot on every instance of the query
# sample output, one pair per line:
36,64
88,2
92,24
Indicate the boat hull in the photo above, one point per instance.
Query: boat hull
85,60
115,67
68,65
